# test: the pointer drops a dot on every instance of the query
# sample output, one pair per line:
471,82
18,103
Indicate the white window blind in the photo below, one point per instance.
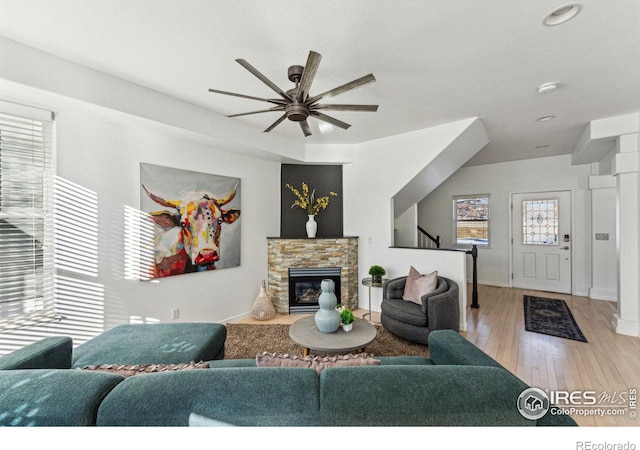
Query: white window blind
26,215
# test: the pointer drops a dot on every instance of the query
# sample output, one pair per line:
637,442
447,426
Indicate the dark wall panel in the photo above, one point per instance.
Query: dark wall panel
324,179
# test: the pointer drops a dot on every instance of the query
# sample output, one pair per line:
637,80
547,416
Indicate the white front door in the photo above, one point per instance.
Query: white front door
541,243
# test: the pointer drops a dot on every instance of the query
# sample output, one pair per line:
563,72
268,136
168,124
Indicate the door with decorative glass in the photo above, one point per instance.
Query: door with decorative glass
541,241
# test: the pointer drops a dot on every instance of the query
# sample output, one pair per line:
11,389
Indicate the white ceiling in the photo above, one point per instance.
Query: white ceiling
435,61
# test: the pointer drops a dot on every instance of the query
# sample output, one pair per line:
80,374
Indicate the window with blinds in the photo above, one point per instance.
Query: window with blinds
26,215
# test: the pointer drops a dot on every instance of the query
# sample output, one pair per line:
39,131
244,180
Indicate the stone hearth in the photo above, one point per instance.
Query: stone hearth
285,253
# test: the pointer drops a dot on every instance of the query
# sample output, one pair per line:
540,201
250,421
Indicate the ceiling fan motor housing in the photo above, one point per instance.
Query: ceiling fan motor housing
297,111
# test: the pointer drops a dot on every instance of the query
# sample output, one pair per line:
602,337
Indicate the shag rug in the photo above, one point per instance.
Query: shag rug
245,341
551,316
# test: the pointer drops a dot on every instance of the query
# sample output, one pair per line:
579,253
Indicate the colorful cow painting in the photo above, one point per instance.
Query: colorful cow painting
188,233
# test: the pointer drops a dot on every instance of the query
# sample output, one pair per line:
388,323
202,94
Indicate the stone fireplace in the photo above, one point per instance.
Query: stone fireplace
330,254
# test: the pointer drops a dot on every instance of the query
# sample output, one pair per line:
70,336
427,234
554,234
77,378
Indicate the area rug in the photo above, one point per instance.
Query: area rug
551,316
245,341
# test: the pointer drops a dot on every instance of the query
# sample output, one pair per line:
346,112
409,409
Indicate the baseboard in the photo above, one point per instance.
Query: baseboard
236,318
626,327
603,294
490,283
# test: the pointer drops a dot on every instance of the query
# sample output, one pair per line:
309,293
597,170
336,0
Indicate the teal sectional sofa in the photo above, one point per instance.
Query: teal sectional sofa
458,385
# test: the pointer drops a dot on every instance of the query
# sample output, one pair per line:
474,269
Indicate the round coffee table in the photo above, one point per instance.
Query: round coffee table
305,332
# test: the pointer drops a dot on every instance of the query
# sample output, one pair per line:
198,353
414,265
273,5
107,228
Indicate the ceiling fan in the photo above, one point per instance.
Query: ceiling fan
296,104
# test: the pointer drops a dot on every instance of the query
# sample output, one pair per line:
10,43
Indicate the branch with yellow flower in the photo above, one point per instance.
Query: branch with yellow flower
308,201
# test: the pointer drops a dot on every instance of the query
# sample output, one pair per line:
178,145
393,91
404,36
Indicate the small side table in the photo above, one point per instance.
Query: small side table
369,282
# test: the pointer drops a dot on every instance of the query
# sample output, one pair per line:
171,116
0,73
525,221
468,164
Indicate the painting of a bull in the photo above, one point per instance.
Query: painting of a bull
188,231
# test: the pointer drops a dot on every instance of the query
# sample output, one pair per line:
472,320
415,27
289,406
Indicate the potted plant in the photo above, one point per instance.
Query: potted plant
376,273
347,318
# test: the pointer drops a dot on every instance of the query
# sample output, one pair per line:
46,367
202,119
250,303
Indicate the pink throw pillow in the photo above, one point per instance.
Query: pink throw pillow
418,285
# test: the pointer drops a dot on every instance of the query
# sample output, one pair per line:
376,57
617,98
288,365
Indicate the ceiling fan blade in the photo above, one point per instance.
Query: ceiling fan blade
368,108
342,89
276,123
306,129
275,108
264,79
308,74
331,120
270,100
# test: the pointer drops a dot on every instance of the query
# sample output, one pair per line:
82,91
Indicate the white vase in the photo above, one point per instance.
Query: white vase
312,226
327,317
347,327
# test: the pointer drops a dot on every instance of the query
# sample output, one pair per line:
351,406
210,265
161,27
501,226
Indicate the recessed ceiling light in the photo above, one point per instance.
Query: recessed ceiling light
545,118
547,87
562,14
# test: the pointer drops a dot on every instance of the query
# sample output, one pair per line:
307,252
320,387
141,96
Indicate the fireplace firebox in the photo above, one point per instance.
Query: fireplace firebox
304,288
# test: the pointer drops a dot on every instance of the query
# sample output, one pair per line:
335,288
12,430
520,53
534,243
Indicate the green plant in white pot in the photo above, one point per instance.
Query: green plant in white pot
347,318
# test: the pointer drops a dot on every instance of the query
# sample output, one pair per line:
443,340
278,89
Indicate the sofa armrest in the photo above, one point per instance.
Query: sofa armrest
48,353
443,308
441,288
447,347
48,398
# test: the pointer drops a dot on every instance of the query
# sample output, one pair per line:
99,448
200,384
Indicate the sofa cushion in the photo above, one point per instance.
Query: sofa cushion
48,353
129,370
317,363
424,395
162,343
419,285
53,397
249,396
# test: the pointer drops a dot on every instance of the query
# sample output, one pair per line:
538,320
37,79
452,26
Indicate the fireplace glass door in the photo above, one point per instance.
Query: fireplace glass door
304,288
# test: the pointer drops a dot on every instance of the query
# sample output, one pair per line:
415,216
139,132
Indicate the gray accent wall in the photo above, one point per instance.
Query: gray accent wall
324,178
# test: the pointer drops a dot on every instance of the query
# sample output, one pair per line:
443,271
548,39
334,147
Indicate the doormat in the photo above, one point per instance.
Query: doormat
550,316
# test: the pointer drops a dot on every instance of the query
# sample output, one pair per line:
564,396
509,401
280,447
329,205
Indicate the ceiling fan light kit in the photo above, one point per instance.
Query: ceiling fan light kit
296,104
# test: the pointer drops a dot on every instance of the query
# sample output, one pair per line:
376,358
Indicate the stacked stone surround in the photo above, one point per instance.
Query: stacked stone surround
286,253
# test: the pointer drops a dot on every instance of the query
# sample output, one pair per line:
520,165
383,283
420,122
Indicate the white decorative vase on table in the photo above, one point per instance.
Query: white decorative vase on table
312,226
327,317
347,327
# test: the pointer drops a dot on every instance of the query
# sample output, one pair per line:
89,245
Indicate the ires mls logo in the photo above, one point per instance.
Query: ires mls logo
533,403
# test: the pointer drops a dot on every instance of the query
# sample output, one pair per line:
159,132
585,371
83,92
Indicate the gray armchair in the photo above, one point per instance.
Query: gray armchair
440,310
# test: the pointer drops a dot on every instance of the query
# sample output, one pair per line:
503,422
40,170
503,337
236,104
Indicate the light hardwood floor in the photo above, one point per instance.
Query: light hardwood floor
609,363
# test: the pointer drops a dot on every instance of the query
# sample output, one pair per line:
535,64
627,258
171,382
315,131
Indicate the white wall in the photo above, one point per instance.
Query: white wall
500,181
603,255
405,232
380,169
104,157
